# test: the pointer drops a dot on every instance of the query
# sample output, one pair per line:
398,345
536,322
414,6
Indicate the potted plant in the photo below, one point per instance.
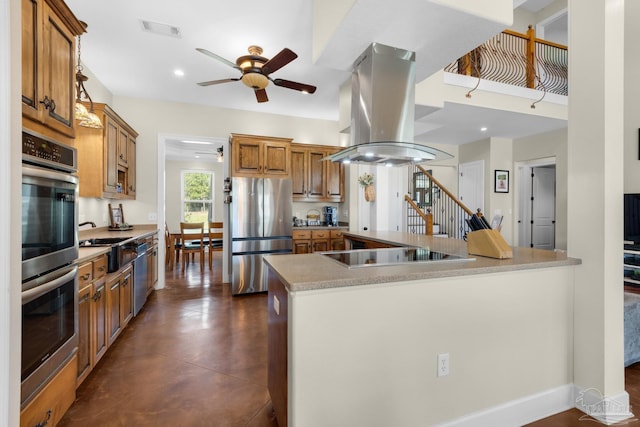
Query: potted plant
366,180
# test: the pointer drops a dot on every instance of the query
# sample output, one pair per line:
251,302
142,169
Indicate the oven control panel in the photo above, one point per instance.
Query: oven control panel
40,150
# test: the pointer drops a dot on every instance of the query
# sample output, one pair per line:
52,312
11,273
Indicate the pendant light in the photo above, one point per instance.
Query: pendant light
86,118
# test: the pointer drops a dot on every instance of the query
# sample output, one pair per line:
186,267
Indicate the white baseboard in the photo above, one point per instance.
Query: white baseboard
520,411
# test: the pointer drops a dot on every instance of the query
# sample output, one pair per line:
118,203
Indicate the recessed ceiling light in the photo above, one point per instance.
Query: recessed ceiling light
346,161
483,129
178,73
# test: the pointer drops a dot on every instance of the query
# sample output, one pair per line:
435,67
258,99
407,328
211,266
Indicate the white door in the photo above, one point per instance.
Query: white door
524,206
471,185
543,208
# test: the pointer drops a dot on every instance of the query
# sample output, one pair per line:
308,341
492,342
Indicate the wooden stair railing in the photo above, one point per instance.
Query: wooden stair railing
446,210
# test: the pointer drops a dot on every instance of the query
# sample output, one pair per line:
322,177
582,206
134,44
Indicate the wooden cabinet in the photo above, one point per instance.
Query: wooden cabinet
92,315
352,242
114,286
301,241
126,297
337,240
320,240
314,179
54,400
99,339
107,157
48,66
260,156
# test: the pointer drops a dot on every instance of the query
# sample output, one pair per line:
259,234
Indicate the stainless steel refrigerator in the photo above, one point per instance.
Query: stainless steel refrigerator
260,219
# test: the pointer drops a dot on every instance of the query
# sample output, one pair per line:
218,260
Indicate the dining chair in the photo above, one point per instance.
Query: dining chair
176,246
215,240
192,236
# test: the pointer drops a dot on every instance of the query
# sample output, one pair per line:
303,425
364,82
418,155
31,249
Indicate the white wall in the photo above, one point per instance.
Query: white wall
631,106
374,364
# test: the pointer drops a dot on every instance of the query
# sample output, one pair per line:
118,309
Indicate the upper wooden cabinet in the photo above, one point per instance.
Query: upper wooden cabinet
314,179
107,157
260,156
48,66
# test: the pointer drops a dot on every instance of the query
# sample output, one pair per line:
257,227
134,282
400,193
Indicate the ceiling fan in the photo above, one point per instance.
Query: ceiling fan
256,69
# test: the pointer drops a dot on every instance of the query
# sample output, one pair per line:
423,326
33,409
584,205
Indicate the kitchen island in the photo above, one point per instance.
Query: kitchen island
359,346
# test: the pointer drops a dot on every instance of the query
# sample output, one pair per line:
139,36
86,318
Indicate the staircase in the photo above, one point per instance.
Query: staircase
432,209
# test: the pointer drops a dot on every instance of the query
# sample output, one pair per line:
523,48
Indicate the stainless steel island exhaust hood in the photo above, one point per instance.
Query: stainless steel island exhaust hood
383,110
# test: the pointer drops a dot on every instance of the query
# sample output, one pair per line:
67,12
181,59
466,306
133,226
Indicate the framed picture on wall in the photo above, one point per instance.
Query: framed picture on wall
501,181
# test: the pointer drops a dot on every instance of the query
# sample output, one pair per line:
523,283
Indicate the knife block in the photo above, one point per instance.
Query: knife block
488,243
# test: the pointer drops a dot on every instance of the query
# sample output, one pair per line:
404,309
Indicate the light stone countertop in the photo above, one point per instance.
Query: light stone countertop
86,253
315,271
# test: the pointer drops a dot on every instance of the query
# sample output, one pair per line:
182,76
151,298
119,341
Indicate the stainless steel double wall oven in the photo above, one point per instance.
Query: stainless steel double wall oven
49,252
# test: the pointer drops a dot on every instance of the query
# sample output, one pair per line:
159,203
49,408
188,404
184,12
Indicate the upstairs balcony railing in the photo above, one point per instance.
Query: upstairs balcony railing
517,59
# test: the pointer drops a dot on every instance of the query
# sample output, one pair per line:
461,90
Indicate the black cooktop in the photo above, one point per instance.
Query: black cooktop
390,256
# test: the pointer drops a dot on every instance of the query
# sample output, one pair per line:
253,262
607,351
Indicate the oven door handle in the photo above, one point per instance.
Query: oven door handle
33,293
49,174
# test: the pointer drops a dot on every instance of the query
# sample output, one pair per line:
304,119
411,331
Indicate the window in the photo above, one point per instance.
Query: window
197,196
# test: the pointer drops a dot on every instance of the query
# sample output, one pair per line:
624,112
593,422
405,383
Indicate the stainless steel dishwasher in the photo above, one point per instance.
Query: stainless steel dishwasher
140,277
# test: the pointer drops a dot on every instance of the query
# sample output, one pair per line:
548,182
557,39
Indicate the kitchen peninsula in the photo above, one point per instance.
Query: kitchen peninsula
360,345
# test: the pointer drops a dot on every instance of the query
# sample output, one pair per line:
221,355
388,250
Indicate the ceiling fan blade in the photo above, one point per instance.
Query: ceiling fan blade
294,85
215,82
280,60
218,57
261,95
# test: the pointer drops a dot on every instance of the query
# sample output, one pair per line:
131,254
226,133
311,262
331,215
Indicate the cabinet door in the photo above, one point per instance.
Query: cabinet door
31,12
335,181
112,131
123,147
247,157
276,158
298,173
113,307
126,297
316,175
99,337
320,245
59,73
337,244
84,333
131,190
301,246
152,268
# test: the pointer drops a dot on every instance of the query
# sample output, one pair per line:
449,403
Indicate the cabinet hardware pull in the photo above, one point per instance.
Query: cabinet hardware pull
45,422
97,295
86,276
101,268
46,102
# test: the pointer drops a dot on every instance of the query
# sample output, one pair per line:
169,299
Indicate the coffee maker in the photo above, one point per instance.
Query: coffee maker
330,216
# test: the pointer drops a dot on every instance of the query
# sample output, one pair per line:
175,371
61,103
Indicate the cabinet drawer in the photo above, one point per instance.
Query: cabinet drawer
48,407
336,234
301,234
320,234
99,267
85,274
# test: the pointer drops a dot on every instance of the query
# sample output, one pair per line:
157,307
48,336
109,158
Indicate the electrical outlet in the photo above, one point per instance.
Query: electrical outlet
443,364
152,216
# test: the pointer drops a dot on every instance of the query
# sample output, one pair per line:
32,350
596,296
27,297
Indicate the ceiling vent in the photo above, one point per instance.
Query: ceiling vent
161,29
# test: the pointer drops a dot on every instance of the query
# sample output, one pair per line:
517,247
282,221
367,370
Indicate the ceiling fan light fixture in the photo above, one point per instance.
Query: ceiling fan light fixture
256,81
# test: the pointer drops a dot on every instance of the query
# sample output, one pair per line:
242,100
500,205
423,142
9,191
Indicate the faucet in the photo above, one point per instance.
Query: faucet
93,224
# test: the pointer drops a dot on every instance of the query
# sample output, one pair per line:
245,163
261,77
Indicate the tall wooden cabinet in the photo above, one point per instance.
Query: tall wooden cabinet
107,157
314,179
260,156
48,67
